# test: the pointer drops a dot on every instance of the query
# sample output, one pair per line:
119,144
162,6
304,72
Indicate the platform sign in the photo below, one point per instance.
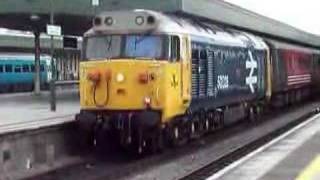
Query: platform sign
95,2
53,30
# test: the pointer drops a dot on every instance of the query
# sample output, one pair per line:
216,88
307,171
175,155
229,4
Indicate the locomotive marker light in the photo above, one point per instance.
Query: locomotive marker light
147,102
97,21
252,65
139,20
109,21
144,78
151,20
120,78
94,76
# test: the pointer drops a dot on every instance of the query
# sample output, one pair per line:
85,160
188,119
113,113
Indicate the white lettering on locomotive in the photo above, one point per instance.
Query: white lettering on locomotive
252,65
223,82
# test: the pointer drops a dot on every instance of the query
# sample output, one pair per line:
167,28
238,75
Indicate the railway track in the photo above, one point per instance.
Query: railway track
196,160
214,167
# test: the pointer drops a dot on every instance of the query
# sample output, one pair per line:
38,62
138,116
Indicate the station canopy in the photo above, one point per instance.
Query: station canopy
75,15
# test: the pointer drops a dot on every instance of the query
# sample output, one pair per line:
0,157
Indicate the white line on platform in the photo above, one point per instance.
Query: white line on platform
232,166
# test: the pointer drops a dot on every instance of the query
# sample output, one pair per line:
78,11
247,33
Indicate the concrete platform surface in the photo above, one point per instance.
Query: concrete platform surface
294,155
24,111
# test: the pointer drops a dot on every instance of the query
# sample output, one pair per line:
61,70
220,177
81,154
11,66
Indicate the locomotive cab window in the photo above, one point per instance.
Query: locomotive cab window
1,68
175,48
132,46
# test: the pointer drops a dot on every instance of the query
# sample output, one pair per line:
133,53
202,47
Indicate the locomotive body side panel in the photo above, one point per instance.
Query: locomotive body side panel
223,75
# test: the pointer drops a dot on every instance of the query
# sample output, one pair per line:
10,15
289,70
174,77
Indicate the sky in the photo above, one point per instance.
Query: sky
304,15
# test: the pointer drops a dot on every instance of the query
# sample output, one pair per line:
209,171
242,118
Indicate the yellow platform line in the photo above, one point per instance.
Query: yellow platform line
312,171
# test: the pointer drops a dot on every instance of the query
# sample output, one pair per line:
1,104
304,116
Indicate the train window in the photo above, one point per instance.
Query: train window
25,68
41,68
32,68
175,48
17,69
8,68
144,47
1,68
101,47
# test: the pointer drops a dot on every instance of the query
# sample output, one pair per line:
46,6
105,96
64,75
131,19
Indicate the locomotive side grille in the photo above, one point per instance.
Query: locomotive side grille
210,73
195,73
203,73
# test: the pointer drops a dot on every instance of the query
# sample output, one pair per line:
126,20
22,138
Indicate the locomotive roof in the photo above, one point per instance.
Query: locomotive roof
282,45
124,23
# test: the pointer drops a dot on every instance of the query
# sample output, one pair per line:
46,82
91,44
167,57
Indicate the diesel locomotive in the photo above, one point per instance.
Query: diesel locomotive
150,78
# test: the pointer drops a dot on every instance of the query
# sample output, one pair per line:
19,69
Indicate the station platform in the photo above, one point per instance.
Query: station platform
294,155
25,111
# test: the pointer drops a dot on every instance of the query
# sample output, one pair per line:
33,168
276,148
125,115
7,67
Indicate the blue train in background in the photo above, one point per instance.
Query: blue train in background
17,72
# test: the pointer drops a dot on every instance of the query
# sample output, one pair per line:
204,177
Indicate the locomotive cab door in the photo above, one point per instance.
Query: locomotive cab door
185,70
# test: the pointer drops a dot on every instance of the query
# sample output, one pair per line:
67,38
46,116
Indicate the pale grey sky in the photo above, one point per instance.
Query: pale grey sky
304,15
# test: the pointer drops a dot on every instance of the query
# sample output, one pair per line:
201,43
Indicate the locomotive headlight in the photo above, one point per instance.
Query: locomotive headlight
151,20
139,20
147,101
120,77
108,21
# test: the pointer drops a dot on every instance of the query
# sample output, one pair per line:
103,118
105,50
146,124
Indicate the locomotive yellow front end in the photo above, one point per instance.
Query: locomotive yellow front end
132,81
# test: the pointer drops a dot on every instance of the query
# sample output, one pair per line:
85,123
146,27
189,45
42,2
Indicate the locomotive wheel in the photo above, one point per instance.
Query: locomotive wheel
207,125
259,112
211,118
252,114
203,123
139,144
221,119
218,119
178,134
195,127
